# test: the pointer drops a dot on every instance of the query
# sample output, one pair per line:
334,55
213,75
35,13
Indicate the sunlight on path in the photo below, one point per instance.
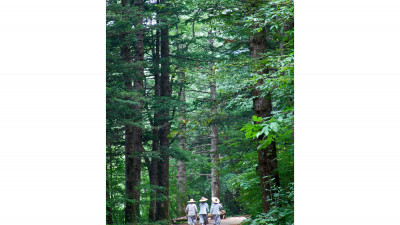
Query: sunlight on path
232,220
228,221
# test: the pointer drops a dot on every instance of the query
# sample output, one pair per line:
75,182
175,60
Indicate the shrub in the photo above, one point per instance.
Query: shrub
282,209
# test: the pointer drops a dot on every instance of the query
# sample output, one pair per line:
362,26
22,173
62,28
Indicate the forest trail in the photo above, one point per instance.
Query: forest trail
228,221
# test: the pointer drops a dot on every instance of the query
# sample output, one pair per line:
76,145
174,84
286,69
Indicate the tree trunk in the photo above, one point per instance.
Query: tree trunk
262,106
156,141
109,208
132,173
181,196
109,219
153,182
181,183
163,163
215,191
133,133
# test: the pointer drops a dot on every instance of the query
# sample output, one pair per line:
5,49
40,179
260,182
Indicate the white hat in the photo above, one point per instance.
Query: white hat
192,201
203,199
215,199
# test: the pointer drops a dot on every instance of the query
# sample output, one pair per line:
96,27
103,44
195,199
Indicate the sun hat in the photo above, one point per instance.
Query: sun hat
203,199
215,199
192,201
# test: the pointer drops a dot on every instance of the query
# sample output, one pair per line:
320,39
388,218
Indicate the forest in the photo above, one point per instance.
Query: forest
199,103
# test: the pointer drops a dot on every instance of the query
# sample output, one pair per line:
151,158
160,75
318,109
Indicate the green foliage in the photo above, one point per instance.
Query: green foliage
247,185
282,209
194,63
115,180
269,129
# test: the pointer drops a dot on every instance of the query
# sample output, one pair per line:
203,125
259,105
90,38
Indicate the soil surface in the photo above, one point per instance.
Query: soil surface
228,221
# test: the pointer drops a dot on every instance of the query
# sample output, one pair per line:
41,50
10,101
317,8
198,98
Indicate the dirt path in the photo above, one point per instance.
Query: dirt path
228,221
232,220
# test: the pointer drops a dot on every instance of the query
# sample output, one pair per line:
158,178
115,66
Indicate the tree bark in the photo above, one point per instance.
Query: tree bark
181,183
262,107
133,133
181,196
109,208
155,132
153,192
215,190
165,92
109,219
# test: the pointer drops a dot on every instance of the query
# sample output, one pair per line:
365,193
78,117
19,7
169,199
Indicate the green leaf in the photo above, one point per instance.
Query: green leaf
274,126
257,119
264,131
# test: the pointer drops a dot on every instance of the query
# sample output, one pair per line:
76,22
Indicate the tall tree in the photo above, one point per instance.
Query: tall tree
215,190
181,166
153,164
262,106
133,133
165,124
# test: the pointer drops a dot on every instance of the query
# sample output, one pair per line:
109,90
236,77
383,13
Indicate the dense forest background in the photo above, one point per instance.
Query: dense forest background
200,102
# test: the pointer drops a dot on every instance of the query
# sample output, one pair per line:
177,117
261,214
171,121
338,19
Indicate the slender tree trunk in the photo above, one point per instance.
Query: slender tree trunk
153,194
262,106
153,176
215,191
156,141
133,133
181,183
130,209
165,92
138,85
181,167
109,219
109,208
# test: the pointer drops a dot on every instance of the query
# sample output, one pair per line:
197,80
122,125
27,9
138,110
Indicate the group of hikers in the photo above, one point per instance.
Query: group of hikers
191,211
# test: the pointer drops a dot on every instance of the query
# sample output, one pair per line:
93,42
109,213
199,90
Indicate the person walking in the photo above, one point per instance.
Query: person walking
215,211
191,211
203,211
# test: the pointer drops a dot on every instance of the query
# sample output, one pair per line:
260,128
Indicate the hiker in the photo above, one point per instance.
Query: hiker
203,211
191,211
215,211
